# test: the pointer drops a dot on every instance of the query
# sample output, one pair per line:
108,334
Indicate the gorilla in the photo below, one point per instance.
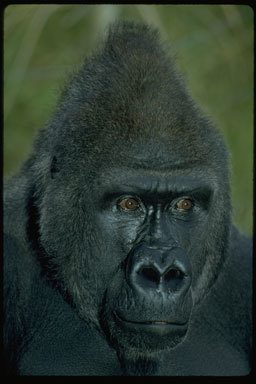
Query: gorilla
120,257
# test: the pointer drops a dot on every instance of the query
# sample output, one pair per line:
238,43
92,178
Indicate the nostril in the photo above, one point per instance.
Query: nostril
173,274
150,274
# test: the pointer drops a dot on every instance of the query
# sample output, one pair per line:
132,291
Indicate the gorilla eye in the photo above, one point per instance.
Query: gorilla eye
184,205
129,204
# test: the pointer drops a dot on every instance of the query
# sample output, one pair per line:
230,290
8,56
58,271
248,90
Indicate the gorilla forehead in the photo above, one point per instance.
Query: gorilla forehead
168,181
153,159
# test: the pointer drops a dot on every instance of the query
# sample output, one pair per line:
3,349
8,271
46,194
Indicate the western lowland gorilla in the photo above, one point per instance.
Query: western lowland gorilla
120,256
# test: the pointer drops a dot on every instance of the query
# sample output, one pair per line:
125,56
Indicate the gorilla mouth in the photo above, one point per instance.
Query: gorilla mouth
155,326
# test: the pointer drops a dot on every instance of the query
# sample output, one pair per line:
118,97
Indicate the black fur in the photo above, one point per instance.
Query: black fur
85,290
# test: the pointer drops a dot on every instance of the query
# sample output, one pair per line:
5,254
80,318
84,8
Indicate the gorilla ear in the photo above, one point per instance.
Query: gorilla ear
54,167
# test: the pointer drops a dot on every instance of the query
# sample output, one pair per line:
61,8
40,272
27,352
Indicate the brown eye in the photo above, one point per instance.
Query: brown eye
184,205
129,204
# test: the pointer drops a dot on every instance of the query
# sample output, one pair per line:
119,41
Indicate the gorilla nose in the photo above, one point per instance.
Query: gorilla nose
162,270
153,277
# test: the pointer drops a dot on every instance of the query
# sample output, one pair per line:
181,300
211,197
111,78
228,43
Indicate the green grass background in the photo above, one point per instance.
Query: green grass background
213,45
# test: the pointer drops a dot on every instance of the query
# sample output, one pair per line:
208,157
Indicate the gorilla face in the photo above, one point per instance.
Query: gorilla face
133,196
152,222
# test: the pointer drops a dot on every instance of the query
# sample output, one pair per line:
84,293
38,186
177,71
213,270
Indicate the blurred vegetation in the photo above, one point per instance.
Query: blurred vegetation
213,44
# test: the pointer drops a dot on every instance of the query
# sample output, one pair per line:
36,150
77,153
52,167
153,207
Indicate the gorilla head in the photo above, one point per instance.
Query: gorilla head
132,193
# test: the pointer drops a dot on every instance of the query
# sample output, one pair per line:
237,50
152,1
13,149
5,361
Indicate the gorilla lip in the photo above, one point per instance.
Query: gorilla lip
153,322
157,322
154,328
